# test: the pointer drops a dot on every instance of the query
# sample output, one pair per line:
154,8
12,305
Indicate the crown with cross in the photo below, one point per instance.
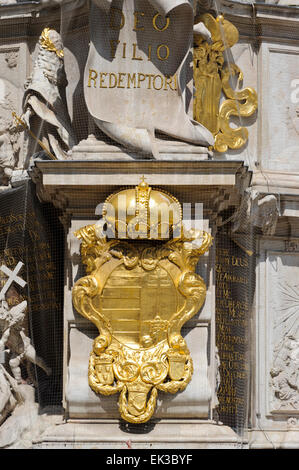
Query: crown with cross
142,212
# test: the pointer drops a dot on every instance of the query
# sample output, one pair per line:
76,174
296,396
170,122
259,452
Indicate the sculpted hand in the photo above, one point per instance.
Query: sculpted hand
201,29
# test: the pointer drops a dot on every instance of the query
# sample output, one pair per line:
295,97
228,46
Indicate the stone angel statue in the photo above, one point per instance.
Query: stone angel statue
44,103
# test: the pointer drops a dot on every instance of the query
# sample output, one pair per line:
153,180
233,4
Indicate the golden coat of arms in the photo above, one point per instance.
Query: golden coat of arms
140,290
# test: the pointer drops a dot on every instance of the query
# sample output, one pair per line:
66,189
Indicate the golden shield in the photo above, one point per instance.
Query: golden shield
139,293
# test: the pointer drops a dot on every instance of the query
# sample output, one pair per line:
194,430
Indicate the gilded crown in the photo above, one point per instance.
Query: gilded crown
47,43
142,212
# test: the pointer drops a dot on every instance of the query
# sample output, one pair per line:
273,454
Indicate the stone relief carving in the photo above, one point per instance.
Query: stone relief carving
285,374
9,151
284,370
11,58
292,422
16,393
258,211
44,103
9,136
15,338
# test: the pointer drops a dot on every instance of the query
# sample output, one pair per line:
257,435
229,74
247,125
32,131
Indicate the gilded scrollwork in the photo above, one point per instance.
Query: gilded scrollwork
139,294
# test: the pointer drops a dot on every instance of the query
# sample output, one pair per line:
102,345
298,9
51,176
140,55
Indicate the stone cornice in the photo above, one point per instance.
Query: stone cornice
263,21
28,19
284,183
77,187
256,21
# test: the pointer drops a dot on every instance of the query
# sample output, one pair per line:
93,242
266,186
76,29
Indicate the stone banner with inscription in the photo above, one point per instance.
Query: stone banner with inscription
137,71
234,281
31,234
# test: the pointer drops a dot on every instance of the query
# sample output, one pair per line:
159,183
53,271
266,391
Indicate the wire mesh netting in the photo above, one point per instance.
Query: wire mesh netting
32,234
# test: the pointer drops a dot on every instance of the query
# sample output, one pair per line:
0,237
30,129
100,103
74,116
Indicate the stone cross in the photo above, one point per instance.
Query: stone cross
12,277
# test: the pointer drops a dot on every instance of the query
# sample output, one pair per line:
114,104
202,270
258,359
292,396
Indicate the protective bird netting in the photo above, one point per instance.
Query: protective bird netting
31,232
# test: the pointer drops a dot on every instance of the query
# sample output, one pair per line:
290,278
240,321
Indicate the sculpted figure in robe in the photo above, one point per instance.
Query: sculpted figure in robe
44,103
138,71
9,137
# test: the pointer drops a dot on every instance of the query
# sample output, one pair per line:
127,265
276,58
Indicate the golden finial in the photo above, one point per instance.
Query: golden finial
143,191
143,183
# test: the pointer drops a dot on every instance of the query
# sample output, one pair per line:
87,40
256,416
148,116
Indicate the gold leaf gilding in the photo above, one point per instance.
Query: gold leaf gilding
47,44
139,294
211,77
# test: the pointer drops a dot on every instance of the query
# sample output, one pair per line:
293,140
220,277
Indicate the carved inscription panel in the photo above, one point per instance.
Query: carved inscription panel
138,69
233,288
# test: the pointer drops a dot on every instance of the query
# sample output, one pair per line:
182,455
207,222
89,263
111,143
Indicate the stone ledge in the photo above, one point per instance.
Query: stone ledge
285,183
78,186
274,439
261,22
95,172
91,148
168,434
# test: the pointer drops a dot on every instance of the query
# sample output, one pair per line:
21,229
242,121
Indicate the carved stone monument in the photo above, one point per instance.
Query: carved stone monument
161,141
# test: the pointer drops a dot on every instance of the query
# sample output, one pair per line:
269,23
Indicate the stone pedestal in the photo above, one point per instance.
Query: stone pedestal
167,434
77,188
